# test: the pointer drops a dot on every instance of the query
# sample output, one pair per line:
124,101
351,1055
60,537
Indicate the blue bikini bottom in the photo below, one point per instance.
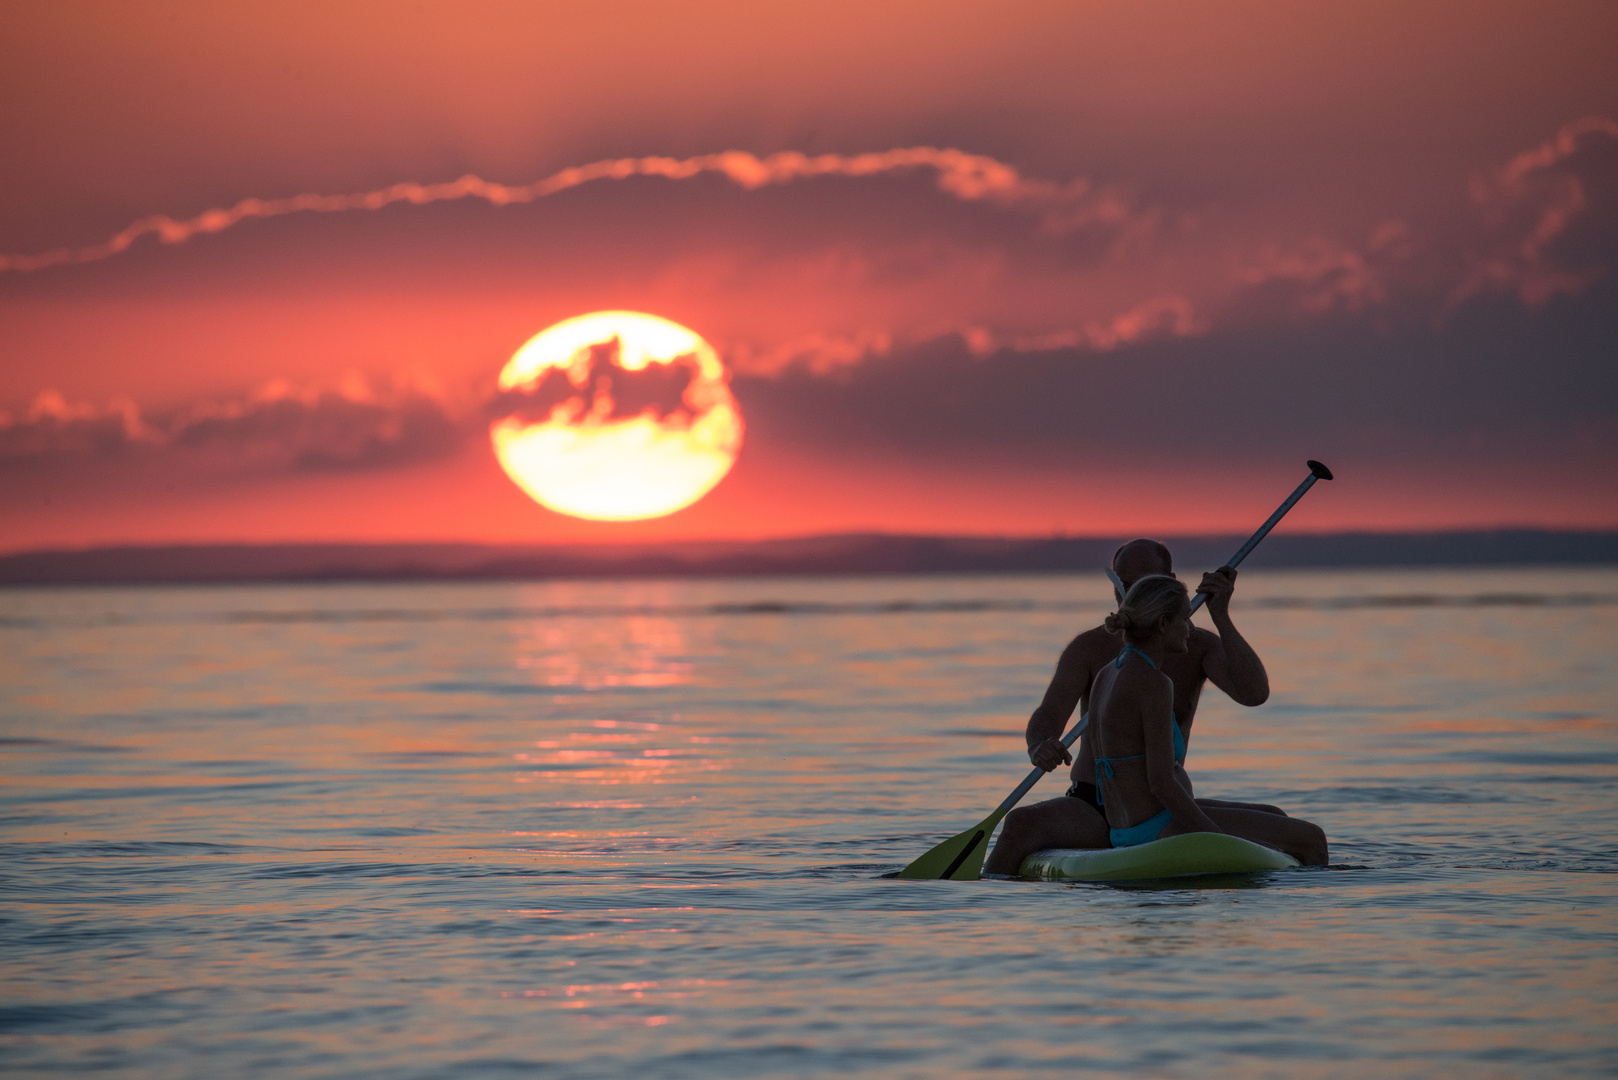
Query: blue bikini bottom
1144,833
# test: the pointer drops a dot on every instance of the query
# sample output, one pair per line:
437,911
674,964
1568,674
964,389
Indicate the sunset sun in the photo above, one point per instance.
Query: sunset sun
616,416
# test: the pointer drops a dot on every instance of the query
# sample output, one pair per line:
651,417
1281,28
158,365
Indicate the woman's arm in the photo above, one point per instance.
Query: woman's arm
1160,771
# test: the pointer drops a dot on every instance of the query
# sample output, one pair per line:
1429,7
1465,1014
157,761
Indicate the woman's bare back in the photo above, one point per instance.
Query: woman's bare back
1137,767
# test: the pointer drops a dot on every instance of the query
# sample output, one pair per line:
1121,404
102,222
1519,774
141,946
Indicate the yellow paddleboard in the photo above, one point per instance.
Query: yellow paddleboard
1176,856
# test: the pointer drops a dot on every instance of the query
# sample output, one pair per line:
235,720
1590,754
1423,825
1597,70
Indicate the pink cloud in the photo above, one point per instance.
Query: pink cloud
1545,224
1536,203
1155,318
278,427
824,354
54,427
969,177
1322,275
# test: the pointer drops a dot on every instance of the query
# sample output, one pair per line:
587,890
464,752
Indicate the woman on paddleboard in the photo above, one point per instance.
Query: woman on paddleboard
1138,744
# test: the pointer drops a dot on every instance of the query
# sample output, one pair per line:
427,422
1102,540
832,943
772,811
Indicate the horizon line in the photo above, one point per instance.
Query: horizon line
849,555
848,534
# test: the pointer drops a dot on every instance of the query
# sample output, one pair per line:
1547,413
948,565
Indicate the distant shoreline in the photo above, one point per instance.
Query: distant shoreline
858,554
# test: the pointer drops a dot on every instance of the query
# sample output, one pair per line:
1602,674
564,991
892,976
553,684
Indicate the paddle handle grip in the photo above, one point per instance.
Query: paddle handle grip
1317,471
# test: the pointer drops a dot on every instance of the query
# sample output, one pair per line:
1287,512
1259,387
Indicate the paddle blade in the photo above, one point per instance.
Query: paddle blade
960,858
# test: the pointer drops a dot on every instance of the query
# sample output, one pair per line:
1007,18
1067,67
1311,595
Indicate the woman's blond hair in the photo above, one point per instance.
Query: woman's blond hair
1149,599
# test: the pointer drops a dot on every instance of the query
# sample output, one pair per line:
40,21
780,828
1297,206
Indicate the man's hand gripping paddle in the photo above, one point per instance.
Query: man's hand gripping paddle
960,858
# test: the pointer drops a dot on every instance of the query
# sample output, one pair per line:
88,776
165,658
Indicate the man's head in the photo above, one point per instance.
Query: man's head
1137,559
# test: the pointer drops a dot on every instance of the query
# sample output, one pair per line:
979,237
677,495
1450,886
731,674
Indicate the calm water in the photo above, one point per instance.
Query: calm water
639,830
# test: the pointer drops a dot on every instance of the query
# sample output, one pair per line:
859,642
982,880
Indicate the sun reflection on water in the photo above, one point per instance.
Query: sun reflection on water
592,654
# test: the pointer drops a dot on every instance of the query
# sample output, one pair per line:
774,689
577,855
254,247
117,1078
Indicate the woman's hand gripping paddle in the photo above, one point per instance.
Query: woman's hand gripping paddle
960,858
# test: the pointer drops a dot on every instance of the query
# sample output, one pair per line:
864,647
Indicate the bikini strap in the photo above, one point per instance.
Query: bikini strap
1104,769
1128,648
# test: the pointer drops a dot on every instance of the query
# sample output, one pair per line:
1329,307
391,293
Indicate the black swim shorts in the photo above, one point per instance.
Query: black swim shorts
1087,792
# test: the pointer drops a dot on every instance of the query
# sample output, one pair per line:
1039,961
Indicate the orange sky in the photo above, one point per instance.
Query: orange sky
1183,247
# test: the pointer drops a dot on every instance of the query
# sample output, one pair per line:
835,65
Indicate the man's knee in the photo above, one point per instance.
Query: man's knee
1313,842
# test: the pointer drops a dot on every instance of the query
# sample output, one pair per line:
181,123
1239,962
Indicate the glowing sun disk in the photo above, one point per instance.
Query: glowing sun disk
580,460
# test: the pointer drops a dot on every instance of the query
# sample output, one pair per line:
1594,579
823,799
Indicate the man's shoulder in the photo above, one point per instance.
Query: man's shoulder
1091,648
1202,642
1189,663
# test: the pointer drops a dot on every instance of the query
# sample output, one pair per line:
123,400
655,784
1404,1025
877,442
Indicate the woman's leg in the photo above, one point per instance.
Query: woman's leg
1298,838
1055,823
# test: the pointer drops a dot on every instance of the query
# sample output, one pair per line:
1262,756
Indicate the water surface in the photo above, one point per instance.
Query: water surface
639,829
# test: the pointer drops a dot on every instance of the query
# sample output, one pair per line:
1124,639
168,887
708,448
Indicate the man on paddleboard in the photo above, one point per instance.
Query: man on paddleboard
1075,820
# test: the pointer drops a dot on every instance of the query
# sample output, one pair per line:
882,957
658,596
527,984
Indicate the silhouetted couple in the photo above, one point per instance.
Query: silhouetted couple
1138,677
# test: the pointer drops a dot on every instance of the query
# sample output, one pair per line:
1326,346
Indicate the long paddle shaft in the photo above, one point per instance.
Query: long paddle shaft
1317,471
966,851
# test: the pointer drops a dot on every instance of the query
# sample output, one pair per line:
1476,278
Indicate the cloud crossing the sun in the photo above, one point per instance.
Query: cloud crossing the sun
362,423
968,177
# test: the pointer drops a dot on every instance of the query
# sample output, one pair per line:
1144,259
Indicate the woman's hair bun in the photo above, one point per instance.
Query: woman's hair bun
1148,600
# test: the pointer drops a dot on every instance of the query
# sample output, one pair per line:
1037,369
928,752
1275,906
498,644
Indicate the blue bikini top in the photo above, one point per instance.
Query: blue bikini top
1130,648
1104,765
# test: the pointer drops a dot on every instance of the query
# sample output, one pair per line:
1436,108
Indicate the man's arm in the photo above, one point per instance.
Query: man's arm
1231,664
1045,726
